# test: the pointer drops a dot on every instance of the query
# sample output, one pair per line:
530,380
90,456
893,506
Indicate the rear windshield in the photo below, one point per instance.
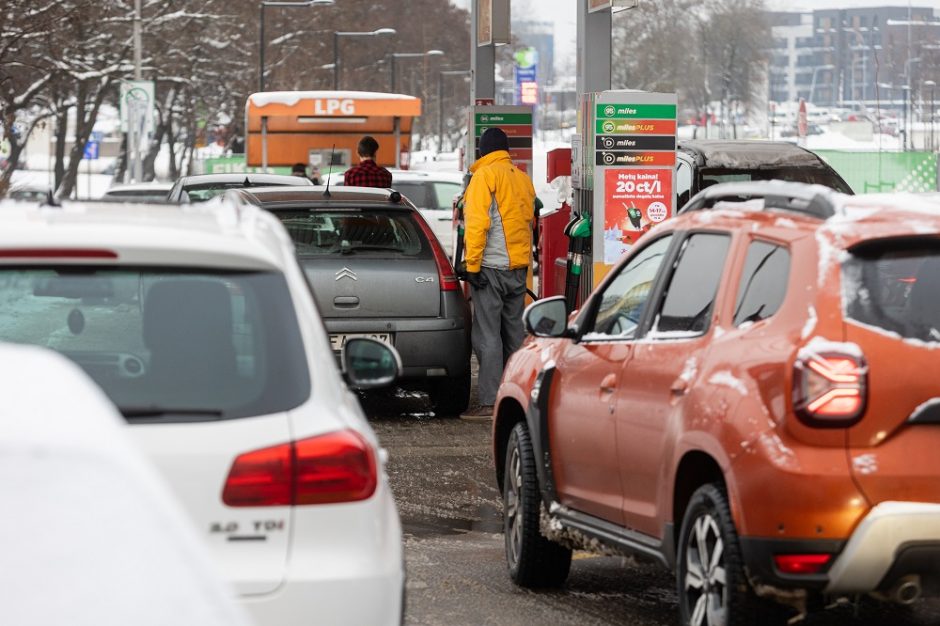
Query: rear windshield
164,344
361,232
433,195
810,175
895,290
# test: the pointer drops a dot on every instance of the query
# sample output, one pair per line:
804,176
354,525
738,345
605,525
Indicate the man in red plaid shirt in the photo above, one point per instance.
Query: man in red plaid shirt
367,173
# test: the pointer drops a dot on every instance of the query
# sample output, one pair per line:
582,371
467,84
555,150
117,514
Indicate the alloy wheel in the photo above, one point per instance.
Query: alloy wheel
513,505
705,578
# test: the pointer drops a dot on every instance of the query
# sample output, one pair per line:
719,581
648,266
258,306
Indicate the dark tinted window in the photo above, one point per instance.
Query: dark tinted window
690,296
812,175
420,194
763,282
362,232
623,301
897,290
158,339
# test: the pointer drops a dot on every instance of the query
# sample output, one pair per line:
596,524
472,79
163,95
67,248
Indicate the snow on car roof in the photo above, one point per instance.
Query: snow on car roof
290,98
744,154
92,536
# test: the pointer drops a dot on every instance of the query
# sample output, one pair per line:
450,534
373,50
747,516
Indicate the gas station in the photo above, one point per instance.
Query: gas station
620,164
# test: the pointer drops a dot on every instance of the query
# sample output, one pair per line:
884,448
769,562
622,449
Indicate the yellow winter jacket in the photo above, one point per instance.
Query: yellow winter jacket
499,206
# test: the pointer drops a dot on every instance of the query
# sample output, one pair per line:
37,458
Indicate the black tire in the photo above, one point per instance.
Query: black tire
450,396
718,594
533,560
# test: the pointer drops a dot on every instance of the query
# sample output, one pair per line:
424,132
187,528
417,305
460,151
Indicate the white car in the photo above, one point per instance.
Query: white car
90,534
432,193
199,324
139,192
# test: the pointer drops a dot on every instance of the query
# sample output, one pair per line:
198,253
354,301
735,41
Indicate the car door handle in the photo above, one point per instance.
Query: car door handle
679,387
609,384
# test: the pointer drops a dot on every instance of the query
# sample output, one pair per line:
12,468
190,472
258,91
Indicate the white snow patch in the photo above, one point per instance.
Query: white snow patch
819,345
725,378
777,451
785,222
690,370
290,98
810,325
865,464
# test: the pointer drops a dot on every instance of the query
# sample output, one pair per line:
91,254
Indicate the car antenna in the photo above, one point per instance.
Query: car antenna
326,193
247,182
51,200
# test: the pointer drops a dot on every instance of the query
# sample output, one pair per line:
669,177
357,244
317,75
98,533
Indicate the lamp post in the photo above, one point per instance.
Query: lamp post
440,102
933,87
393,83
338,34
812,88
906,91
272,3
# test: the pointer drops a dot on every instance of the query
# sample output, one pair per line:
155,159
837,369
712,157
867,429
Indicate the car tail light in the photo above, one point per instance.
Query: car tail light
328,469
445,271
57,253
829,387
801,563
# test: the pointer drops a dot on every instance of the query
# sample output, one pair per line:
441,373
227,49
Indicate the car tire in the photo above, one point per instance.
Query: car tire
533,560
713,588
450,396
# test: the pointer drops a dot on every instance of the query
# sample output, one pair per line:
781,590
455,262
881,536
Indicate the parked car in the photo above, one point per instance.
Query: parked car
746,399
138,192
204,187
433,193
198,323
28,193
702,163
91,534
377,270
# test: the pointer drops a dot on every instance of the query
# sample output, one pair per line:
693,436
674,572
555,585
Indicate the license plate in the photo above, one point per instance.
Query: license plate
339,340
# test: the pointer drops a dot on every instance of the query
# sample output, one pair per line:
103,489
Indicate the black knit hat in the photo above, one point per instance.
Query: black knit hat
493,139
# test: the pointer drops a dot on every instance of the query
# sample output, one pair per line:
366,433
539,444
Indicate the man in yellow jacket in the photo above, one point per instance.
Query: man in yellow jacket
498,212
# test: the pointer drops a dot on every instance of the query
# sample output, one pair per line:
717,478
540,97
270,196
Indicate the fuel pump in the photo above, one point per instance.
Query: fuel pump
578,232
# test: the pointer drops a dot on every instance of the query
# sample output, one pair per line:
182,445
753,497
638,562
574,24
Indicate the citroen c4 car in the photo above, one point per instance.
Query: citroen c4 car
749,397
377,270
198,323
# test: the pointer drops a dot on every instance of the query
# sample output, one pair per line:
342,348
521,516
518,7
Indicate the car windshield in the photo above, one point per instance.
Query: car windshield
810,175
164,343
897,290
373,232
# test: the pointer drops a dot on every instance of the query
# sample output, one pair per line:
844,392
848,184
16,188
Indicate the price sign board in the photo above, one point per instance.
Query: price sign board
516,122
634,161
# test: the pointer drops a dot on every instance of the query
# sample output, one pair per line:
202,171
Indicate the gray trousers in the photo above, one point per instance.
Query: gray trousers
497,326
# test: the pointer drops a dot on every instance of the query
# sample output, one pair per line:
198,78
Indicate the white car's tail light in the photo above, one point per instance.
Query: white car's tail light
328,469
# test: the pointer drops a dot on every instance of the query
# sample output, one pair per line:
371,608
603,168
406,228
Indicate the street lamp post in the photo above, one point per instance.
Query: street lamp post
440,103
272,3
393,83
338,34
933,87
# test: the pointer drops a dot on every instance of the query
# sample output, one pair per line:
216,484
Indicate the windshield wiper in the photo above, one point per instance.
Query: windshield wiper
349,249
131,412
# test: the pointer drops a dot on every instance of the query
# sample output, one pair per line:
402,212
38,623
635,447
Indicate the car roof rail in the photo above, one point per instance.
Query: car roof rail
812,200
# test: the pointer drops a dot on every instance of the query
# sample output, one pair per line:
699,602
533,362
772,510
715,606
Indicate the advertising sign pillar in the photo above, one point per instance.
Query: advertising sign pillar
516,122
634,157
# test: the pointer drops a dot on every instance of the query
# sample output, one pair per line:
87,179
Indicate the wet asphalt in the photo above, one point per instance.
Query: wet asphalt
441,472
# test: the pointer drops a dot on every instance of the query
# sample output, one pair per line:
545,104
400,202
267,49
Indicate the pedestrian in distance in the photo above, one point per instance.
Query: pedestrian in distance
368,173
298,169
499,207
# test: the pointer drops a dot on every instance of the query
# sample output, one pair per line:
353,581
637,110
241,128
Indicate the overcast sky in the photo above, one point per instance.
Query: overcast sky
562,12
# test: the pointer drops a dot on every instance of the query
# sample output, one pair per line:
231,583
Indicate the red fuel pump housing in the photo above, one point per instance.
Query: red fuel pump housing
553,244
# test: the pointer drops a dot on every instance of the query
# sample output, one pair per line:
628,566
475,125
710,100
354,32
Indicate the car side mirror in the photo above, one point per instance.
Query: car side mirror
547,318
368,363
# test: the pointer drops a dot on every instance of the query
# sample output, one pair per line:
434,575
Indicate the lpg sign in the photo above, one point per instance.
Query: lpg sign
334,106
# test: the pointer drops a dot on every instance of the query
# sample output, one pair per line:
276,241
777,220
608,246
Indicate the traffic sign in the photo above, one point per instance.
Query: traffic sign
91,150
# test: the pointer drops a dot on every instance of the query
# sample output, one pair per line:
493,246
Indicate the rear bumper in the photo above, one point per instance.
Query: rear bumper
428,348
893,541
880,539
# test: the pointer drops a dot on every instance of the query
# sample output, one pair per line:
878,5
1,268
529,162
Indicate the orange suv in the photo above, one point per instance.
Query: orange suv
748,398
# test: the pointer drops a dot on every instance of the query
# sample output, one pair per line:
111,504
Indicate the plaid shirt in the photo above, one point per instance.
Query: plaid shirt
368,174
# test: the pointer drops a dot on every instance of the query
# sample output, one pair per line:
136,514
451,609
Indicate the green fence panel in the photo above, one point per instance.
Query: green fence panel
872,172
